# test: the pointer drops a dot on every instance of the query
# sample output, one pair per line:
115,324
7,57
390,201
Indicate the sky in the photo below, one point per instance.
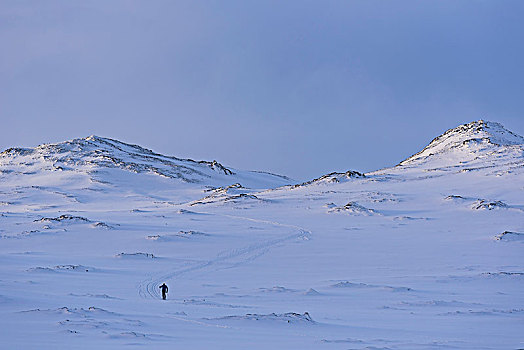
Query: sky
300,88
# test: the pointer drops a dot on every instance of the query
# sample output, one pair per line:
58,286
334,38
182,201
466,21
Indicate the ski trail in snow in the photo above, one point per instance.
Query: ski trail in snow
148,288
152,283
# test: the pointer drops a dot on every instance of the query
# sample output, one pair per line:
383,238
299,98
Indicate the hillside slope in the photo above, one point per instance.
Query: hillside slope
424,255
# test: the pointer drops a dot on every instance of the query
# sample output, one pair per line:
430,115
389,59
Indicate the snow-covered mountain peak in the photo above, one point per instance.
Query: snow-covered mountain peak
469,142
81,147
480,129
93,146
94,154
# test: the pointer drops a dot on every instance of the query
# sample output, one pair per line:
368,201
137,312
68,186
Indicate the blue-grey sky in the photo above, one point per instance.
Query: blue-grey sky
300,88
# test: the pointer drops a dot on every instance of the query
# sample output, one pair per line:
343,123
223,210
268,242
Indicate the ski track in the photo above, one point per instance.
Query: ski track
148,288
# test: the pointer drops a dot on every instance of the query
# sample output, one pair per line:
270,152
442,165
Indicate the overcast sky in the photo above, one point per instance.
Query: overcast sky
300,88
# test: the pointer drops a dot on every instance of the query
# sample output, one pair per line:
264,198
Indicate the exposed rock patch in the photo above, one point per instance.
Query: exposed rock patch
352,208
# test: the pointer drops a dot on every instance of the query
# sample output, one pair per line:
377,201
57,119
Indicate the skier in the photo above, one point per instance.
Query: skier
164,290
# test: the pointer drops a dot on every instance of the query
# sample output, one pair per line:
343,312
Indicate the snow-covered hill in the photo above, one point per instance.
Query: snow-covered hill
94,154
424,255
480,143
95,168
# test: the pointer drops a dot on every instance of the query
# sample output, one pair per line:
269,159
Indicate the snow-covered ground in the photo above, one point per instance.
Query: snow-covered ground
425,255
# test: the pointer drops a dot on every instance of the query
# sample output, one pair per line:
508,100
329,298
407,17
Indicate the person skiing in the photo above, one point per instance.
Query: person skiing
164,291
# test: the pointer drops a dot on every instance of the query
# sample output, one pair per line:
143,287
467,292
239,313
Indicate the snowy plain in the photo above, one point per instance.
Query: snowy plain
424,255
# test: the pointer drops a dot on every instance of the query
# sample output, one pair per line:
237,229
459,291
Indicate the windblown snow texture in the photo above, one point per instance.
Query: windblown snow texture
424,255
